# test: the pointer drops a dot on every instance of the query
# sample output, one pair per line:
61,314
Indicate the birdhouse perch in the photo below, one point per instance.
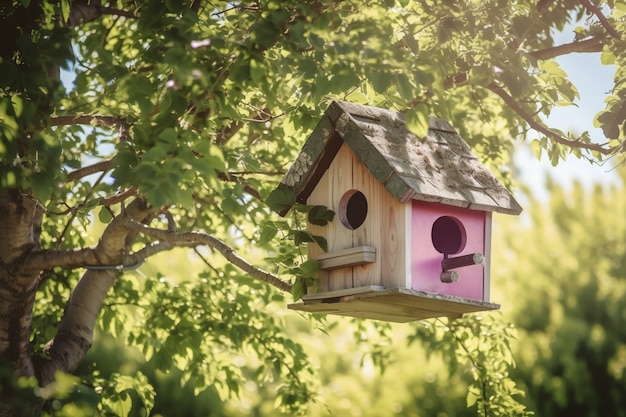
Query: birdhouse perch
411,238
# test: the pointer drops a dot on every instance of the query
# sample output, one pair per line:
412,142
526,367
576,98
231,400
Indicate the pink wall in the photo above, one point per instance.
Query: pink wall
426,261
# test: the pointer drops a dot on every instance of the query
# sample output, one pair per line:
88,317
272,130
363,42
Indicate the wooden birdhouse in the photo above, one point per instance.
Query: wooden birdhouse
411,235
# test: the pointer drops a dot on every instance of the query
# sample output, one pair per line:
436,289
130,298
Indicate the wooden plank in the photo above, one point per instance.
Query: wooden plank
369,310
341,293
339,236
320,195
347,257
369,233
398,305
395,242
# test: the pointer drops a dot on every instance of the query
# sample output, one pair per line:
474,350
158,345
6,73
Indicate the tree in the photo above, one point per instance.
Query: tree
181,118
570,290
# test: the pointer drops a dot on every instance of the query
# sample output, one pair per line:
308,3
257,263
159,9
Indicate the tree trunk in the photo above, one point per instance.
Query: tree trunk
20,226
20,223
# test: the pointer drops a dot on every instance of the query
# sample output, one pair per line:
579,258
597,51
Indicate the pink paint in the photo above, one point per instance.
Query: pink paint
426,260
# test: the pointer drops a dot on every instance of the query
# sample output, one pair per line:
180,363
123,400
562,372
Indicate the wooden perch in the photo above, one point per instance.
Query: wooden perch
449,276
448,264
461,261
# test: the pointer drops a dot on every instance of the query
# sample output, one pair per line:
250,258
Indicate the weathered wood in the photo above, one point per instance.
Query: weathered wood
339,237
347,257
369,234
449,276
395,255
398,305
320,195
437,168
340,293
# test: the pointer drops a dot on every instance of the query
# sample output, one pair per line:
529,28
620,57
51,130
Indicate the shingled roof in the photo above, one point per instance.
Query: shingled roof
438,168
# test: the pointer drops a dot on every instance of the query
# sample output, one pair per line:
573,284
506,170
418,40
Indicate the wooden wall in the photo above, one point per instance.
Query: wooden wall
387,227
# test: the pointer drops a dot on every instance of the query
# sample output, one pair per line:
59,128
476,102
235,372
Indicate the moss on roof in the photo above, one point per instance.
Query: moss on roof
438,168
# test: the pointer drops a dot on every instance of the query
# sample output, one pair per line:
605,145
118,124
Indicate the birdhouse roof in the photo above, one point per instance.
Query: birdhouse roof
437,168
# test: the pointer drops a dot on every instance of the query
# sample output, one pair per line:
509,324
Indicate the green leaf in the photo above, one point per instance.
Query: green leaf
309,268
268,231
405,87
607,57
301,236
320,215
121,405
66,8
281,199
417,120
298,289
535,146
321,241
257,72
380,81
104,215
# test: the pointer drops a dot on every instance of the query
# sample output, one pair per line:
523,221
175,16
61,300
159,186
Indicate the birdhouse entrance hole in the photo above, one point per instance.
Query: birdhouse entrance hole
448,235
352,209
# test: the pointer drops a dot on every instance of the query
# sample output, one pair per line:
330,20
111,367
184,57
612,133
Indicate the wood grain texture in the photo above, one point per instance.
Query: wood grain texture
369,233
395,243
320,195
396,305
340,237
348,257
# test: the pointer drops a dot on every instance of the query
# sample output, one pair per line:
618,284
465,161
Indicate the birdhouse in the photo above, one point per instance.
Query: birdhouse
411,236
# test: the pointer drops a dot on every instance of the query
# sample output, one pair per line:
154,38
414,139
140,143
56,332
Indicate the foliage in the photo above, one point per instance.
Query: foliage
480,345
571,336
199,107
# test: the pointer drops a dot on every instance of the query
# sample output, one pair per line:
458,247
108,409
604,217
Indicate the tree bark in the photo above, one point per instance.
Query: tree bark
20,224
20,269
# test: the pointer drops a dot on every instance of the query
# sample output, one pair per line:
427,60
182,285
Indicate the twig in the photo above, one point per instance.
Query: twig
246,187
603,20
475,364
198,238
88,119
118,197
74,212
510,101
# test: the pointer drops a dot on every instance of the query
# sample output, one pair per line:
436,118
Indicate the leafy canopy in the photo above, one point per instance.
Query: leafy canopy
200,106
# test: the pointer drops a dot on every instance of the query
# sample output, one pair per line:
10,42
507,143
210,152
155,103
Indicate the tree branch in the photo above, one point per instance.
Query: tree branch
147,252
197,238
88,119
119,197
118,12
91,169
68,259
76,327
246,187
588,45
510,101
603,20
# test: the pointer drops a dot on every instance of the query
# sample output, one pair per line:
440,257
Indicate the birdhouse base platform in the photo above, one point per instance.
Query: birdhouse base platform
398,305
